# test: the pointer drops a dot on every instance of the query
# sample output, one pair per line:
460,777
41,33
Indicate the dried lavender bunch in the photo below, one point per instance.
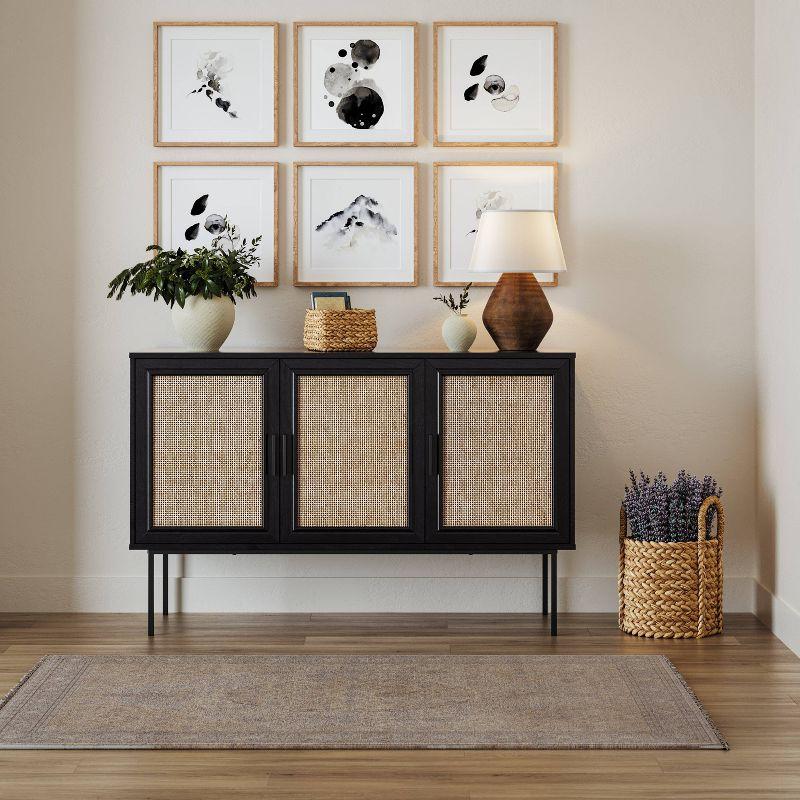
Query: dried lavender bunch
647,506
661,512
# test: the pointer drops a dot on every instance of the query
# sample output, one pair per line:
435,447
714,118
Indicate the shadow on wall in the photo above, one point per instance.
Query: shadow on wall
37,409
765,554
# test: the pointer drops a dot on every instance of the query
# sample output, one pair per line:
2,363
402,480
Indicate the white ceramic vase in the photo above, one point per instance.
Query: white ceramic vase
459,332
203,324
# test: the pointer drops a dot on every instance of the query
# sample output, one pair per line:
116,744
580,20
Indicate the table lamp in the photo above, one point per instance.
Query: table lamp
517,244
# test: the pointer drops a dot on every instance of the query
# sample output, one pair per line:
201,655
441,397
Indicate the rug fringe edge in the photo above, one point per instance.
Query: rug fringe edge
22,681
700,707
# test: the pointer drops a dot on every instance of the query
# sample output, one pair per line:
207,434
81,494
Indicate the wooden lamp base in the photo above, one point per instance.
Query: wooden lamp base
517,315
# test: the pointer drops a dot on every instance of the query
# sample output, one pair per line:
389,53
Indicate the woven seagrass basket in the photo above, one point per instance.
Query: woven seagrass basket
672,590
330,329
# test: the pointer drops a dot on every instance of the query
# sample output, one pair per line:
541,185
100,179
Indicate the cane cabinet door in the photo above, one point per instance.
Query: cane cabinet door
352,439
206,453
500,463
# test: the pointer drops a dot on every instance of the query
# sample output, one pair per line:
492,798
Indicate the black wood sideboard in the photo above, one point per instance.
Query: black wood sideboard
353,453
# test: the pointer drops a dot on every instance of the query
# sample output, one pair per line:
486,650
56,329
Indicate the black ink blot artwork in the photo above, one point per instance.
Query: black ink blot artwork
199,205
211,69
361,108
359,223
365,53
478,66
502,99
214,223
494,84
360,102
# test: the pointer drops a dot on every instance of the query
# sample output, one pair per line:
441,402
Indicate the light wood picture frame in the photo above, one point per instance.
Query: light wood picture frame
488,92
358,226
340,96
520,184
250,187
222,91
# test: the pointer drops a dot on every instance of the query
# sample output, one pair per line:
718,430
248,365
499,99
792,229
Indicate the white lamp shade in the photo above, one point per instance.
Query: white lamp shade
517,241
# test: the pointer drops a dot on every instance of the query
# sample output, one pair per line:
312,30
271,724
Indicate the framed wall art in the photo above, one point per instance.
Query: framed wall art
463,190
355,224
215,84
355,83
495,83
192,200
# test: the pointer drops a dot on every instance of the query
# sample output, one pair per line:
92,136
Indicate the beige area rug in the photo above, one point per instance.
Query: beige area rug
354,702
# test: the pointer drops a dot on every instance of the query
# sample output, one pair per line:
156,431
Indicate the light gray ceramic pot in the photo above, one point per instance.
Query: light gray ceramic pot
459,332
203,324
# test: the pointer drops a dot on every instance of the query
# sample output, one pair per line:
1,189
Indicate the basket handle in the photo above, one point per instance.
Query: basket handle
712,500
703,623
623,531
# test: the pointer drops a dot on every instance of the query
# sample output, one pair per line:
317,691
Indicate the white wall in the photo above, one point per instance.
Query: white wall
777,163
657,224
38,309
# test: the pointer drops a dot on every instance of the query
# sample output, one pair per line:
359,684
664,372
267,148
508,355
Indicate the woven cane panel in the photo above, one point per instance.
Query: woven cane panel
352,451
497,450
207,450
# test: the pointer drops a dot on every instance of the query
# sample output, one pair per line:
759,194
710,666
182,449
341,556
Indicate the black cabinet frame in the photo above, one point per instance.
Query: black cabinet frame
424,534
509,539
353,539
187,539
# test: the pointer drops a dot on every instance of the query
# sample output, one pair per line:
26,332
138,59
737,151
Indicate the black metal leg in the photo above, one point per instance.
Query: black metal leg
544,583
151,627
164,585
554,594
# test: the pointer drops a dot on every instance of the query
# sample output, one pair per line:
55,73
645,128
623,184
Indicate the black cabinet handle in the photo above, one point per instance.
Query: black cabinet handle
286,454
433,454
272,455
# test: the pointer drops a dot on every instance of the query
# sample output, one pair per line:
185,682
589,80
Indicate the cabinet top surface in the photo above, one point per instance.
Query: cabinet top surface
351,354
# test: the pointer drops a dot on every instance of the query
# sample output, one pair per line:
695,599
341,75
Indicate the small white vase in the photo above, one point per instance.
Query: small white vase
203,324
459,332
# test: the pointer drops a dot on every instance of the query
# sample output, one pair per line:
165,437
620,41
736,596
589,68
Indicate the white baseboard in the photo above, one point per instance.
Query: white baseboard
779,617
468,594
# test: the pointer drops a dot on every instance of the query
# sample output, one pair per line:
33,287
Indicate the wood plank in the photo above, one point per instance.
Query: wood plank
747,679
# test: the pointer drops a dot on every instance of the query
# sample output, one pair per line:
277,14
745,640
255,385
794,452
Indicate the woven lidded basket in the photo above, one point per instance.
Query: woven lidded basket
333,329
672,590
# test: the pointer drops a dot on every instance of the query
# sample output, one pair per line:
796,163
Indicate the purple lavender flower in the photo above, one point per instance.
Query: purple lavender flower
660,512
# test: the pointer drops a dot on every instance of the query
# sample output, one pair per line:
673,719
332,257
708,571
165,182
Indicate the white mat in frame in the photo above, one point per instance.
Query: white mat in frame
245,192
495,84
355,224
463,189
356,83
215,84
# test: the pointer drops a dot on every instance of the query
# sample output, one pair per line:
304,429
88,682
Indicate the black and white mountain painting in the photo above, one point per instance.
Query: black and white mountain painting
360,224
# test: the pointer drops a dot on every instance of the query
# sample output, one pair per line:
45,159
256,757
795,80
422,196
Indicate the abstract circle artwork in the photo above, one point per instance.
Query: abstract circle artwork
360,102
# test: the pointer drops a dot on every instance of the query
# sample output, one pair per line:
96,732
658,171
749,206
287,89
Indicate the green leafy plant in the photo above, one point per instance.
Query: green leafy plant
173,275
456,306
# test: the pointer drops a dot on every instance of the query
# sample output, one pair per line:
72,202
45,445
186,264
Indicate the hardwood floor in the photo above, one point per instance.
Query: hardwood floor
747,680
